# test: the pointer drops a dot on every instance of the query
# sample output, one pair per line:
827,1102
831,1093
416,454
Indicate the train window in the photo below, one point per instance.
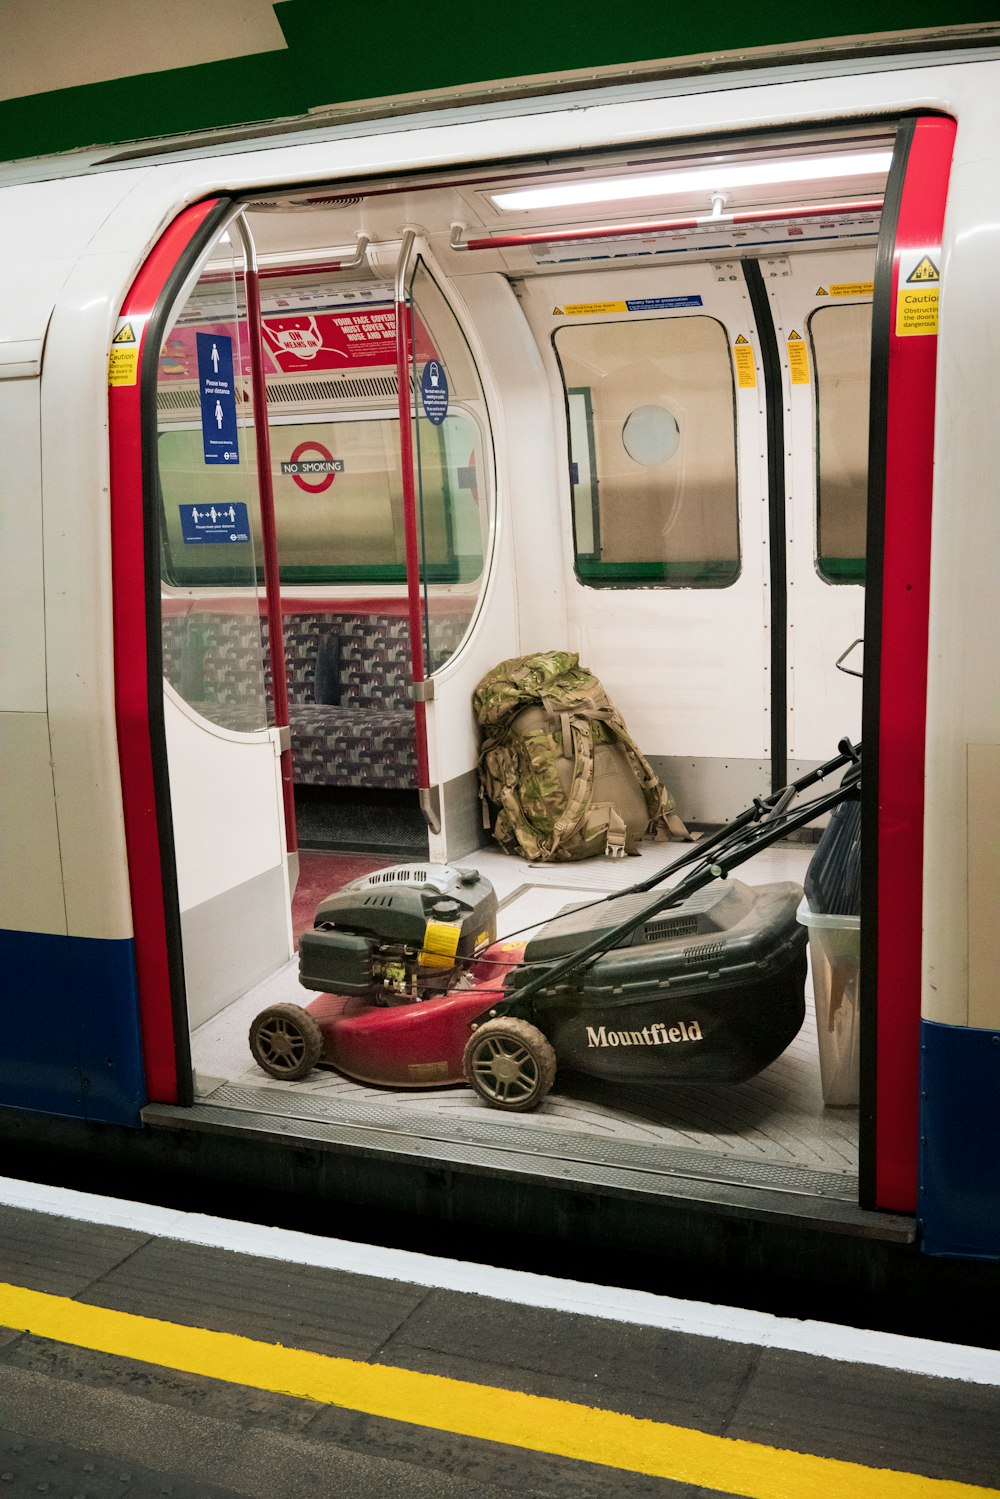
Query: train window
336,525
841,345
334,438
212,650
652,436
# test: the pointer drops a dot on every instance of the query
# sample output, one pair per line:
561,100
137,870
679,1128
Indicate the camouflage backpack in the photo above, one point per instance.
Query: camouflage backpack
559,774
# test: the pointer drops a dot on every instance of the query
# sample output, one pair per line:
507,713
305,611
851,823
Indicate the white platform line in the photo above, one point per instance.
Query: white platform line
643,1308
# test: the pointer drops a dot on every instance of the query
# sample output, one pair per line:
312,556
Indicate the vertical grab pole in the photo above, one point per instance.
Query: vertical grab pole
269,535
404,344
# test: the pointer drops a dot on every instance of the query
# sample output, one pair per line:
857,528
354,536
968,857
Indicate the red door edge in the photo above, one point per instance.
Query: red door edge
135,744
909,462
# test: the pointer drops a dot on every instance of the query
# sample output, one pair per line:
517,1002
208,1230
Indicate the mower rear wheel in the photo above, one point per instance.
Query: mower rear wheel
510,1064
286,1041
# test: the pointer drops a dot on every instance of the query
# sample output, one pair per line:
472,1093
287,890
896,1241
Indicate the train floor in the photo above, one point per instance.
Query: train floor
773,1131
147,1352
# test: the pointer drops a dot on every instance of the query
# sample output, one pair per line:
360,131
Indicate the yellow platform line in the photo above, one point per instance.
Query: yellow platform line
534,1422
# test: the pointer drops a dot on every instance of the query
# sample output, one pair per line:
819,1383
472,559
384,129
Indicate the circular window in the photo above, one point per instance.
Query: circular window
651,435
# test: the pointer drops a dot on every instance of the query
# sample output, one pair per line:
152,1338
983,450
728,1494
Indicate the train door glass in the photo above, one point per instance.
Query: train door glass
668,602
451,469
821,308
222,757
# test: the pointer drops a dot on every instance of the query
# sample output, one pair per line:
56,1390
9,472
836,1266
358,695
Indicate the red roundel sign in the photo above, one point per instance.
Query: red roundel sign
309,462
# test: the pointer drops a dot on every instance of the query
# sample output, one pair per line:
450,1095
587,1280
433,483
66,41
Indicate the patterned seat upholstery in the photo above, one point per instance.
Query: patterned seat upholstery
368,738
362,735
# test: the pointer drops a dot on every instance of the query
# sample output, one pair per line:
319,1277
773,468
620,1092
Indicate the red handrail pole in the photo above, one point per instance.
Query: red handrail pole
403,347
269,534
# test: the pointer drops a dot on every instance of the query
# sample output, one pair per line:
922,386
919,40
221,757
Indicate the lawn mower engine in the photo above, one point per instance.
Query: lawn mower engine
399,935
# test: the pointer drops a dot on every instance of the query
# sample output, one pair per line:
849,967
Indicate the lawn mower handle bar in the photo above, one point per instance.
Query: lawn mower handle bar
761,811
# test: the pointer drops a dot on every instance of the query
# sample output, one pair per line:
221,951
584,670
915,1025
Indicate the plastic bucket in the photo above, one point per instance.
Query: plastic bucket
835,950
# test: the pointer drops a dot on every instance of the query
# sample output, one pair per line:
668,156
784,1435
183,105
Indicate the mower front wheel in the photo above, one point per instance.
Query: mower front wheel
286,1042
510,1064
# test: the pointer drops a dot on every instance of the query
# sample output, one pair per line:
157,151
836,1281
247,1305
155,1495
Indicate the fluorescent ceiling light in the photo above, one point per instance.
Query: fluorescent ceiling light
709,179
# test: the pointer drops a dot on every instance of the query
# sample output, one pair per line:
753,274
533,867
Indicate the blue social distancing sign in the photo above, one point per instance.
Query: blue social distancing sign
217,393
219,523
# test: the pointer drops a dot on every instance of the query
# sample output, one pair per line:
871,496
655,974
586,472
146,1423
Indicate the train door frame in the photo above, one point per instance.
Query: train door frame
904,372
149,836
897,615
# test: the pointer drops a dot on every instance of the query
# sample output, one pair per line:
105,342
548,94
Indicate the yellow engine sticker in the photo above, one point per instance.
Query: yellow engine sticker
917,293
440,944
746,373
798,359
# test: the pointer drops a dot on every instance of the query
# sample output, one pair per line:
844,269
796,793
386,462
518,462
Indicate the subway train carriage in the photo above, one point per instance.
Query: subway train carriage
304,433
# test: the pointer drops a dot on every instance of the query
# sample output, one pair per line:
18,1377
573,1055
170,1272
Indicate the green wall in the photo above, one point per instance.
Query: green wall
339,52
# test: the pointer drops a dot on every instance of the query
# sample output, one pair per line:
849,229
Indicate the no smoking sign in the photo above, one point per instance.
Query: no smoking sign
310,462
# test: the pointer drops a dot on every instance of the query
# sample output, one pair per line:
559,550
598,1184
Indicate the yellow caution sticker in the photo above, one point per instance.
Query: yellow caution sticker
746,372
123,359
821,291
557,312
798,359
851,288
591,309
440,944
917,293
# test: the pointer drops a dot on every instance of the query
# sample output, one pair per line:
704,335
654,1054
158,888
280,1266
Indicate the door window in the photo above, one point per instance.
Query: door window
652,436
212,649
453,467
841,348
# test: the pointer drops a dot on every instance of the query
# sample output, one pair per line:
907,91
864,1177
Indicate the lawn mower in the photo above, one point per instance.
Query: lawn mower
703,981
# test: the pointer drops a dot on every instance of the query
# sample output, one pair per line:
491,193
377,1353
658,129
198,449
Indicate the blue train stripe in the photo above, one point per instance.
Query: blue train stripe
959,1140
71,1042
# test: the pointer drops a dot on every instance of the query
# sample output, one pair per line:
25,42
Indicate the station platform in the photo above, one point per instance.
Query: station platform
146,1352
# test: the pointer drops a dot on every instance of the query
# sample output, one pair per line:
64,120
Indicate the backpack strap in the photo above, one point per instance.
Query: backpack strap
574,726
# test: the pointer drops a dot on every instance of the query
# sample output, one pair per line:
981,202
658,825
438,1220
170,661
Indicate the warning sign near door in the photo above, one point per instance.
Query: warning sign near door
746,373
917,293
798,359
123,360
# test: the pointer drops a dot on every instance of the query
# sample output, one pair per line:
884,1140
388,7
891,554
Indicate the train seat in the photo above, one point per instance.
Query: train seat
349,704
